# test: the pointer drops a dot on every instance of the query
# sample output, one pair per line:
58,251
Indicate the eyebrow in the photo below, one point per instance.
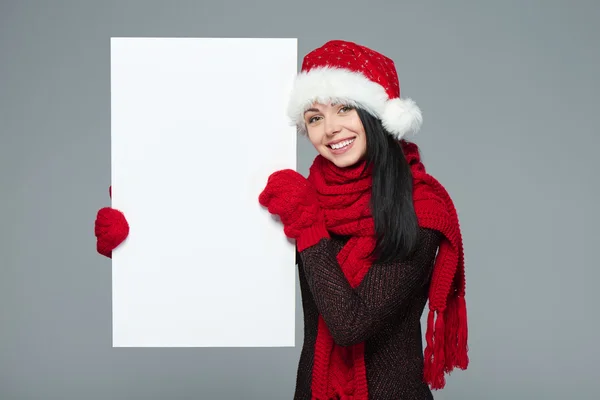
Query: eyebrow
311,109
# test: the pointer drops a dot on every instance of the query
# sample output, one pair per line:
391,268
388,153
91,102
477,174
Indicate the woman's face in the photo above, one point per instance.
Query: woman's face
337,133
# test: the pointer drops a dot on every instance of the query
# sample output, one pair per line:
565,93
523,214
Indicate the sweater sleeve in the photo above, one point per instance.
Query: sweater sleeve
353,315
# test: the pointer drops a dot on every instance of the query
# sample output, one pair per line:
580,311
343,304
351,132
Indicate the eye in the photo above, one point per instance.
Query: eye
345,109
313,119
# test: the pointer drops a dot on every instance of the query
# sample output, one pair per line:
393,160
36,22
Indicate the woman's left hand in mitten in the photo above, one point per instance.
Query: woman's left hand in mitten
292,197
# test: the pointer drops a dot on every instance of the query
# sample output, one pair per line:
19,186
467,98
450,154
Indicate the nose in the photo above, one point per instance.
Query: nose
332,126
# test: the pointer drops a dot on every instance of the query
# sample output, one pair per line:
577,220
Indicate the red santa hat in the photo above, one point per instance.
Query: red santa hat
348,73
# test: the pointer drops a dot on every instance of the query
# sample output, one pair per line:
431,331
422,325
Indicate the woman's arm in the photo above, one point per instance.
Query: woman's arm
352,315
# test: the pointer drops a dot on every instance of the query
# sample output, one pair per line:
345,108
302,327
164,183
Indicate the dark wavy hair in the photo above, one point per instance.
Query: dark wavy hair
392,205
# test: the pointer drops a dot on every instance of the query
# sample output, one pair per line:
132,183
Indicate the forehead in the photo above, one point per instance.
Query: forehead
322,106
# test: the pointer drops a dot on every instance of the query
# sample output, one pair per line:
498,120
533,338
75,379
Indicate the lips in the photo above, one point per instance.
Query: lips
339,144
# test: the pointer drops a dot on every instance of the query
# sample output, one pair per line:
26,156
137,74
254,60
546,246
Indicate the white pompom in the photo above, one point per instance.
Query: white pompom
401,117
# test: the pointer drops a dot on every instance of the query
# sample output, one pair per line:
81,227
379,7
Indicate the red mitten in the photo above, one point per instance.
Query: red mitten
111,229
293,198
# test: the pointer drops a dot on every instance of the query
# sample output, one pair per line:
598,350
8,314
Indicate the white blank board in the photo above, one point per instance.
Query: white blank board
197,126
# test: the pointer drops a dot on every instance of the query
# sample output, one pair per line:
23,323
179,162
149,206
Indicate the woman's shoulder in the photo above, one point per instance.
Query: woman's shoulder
429,237
426,247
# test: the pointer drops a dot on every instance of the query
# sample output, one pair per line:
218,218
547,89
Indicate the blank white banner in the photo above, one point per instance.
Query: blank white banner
198,125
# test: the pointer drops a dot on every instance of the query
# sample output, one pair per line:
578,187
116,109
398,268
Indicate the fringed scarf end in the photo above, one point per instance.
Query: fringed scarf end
446,338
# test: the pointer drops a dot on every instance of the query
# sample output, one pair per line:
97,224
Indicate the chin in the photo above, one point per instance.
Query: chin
342,161
345,163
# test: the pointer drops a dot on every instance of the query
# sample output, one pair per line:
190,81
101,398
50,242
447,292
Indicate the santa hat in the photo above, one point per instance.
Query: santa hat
348,73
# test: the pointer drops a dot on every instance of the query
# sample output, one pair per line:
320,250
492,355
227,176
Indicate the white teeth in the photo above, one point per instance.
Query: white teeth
341,144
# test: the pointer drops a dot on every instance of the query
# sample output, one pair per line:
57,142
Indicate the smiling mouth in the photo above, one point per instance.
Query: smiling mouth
342,144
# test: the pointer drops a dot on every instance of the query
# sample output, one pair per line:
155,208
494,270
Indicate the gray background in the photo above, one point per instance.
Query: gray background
509,92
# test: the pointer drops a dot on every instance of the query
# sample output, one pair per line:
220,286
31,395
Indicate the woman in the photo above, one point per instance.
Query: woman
376,236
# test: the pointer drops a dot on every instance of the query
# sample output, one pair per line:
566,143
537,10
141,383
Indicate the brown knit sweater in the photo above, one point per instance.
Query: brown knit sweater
384,311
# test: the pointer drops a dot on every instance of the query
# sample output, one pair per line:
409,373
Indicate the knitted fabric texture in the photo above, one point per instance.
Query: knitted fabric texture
111,229
447,328
384,312
290,196
344,195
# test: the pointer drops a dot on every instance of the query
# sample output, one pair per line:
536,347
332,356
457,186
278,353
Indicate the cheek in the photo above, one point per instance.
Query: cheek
358,126
363,138
315,138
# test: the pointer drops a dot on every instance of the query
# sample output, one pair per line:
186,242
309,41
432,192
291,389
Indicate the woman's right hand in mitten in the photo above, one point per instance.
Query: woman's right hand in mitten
111,229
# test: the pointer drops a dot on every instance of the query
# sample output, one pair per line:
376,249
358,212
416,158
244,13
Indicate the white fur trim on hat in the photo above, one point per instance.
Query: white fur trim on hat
401,117
328,84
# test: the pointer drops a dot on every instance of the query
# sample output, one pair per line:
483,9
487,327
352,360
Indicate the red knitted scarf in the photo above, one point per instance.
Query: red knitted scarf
344,194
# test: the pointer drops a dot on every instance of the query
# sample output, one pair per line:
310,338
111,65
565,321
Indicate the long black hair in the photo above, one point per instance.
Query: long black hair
392,205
